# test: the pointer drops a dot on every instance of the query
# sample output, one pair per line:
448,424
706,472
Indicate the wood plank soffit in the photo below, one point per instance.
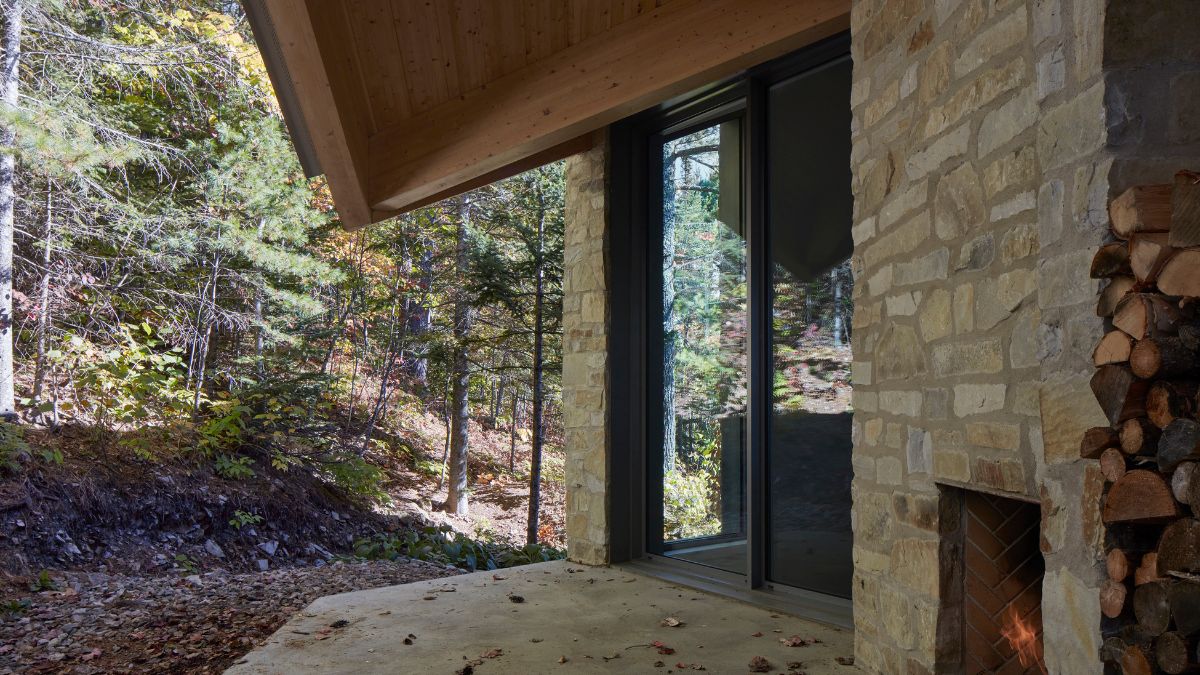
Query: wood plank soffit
651,58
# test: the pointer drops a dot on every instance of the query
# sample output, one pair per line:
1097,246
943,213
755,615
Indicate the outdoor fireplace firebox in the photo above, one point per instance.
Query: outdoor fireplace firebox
1002,585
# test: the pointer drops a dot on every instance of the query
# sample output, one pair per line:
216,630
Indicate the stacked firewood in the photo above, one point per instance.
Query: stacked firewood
1148,383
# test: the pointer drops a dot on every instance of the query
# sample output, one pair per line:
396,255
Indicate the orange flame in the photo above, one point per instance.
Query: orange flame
1023,640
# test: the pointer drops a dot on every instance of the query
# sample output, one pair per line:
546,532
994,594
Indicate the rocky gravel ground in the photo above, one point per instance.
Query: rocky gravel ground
116,623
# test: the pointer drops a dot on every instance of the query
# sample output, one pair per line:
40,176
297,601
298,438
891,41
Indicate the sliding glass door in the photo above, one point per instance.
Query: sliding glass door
746,407
703,356
808,213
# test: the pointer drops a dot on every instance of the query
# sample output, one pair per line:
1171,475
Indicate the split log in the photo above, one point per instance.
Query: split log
1113,649
1168,401
1114,347
1148,253
1111,260
1162,356
1116,563
1098,439
1180,442
1144,208
1140,496
1144,315
1134,662
1112,465
1181,482
1139,436
1179,548
1112,598
1173,652
1181,274
1185,606
1113,293
1193,491
1121,395
1147,569
1152,607
1185,210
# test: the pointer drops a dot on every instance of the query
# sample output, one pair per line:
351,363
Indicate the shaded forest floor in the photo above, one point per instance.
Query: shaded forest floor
146,569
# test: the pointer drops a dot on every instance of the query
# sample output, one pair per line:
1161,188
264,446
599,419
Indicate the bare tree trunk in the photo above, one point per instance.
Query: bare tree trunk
539,432
836,281
39,371
456,496
395,347
260,335
669,326
205,338
512,434
9,90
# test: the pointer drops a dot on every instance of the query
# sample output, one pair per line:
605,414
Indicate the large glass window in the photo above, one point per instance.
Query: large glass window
737,379
704,352
808,446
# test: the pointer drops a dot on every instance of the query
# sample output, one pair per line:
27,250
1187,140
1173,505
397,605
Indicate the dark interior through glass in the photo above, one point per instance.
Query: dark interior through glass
809,211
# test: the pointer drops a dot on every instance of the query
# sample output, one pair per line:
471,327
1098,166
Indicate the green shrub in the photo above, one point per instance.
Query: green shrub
241,519
444,545
691,503
234,468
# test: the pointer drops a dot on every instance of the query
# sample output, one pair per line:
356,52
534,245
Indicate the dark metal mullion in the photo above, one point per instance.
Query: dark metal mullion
758,384
655,412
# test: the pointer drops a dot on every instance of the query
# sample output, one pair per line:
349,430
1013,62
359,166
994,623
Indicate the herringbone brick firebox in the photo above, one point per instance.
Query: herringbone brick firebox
1002,585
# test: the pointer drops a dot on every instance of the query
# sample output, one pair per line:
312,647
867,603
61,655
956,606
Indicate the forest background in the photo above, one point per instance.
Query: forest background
183,296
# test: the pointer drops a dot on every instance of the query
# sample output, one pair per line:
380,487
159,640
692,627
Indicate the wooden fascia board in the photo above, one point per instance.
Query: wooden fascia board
334,126
642,62
560,151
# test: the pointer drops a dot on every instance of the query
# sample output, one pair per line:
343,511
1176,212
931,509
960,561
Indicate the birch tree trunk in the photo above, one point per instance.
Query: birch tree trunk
9,90
259,336
39,371
456,496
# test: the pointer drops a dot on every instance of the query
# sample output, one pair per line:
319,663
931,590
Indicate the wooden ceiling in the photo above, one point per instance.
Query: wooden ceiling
408,101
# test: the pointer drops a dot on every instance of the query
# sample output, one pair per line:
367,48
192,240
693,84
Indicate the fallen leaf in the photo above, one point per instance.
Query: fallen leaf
340,623
758,634
615,655
516,598
563,659
670,622
497,577
662,648
760,665
845,660
492,653
798,641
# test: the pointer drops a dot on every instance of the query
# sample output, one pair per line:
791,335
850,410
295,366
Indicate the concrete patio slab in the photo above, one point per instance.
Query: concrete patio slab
570,619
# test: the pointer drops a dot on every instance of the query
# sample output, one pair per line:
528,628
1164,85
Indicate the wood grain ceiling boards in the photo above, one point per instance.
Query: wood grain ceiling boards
429,96
418,54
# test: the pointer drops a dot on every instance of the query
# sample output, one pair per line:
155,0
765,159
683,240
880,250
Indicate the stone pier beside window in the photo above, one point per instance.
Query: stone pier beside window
585,356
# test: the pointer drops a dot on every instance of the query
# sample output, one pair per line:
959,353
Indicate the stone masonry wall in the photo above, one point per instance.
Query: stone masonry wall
585,353
981,177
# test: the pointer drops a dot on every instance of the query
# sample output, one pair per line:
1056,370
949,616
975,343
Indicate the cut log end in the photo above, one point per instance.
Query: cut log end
1140,496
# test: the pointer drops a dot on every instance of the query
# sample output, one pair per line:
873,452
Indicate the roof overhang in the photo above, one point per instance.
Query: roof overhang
404,102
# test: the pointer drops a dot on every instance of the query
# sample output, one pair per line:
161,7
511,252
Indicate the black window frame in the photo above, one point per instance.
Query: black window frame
634,243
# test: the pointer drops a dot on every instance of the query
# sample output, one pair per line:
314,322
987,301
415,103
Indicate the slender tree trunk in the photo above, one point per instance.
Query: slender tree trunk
539,432
669,327
39,371
9,90
395,347
835,280
260,334
512,434
456,497
206,338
